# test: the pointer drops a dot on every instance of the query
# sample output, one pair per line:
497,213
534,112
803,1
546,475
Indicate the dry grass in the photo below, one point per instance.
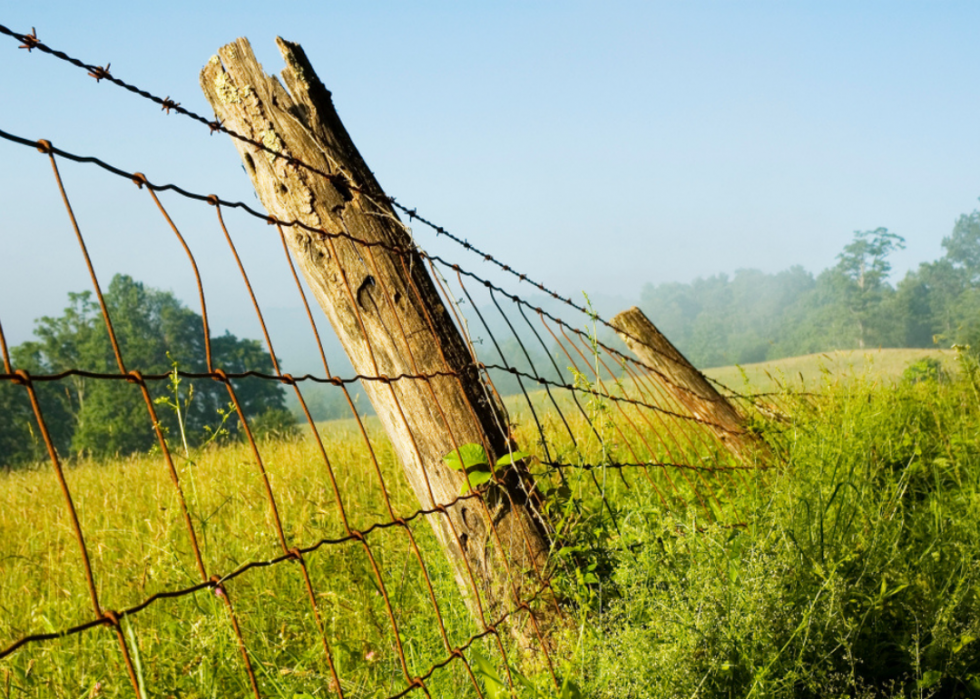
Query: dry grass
809,371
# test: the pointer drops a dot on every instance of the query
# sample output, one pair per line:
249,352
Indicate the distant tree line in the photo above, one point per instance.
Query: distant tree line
99,417
748,317
753,316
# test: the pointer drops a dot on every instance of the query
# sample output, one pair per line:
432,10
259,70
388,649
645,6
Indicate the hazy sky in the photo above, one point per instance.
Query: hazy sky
598,146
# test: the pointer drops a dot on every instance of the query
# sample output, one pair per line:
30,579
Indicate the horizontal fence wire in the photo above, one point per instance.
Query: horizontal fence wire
572,388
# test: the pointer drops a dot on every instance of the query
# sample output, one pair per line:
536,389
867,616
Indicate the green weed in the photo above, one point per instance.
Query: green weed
858,574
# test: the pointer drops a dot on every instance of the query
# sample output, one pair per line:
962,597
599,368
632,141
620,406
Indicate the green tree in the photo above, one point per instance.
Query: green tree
864,269
941,299
963,254
963,246
20,437
153,330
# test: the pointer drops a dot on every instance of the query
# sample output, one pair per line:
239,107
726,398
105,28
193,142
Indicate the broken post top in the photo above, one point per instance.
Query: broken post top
329,171
635,327
691,388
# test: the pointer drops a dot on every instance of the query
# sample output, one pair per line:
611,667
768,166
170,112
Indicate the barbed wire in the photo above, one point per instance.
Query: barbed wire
30,42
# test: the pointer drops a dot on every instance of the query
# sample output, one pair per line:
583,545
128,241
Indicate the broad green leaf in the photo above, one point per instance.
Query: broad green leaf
473,455
929,679
511,457
476,477
965,640
495,687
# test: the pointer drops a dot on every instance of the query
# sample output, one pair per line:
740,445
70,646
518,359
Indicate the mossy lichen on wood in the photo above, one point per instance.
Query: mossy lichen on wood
227,92
271,140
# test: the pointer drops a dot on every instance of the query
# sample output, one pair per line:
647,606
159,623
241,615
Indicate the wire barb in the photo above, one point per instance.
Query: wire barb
30,40
98,72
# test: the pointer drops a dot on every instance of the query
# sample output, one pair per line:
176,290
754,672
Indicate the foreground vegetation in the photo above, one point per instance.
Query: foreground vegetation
858,576
857,572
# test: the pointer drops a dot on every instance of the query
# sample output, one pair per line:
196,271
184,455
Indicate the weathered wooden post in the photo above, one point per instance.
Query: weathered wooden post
386,312
688,385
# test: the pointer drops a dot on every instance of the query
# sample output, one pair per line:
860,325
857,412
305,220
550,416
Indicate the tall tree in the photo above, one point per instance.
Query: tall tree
154,331
865,267
963,246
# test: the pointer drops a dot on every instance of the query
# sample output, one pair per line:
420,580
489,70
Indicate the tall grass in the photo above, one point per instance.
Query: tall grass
139,546
858,575
855,574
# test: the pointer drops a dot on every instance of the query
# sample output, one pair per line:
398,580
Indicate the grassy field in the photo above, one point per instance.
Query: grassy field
855,574
810,371
139,546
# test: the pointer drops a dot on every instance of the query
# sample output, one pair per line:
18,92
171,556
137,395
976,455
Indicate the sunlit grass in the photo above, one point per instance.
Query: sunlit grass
139,545
131,515
810,371
776,583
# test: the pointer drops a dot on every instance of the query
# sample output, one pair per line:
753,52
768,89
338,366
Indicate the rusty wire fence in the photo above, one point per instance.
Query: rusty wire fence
594,422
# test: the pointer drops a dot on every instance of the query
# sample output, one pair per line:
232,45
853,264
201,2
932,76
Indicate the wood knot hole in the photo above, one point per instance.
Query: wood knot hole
364,289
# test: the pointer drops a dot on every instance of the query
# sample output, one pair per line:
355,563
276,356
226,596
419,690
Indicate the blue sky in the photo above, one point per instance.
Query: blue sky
600,147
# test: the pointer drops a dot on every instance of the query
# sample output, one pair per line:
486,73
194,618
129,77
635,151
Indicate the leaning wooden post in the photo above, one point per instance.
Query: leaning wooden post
387,313
688,385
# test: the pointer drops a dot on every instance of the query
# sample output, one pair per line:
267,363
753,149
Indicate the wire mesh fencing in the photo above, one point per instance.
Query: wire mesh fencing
231,562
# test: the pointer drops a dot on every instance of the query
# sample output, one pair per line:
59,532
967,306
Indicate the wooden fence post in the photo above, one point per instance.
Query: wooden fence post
688,385
389,317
